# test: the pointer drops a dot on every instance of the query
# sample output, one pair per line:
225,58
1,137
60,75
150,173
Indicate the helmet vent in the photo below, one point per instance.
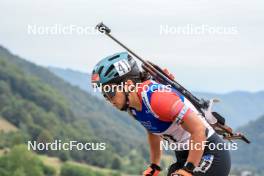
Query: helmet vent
109,70
100,70
112,58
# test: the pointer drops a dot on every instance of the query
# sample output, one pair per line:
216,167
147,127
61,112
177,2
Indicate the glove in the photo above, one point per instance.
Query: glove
166,71
181,172
152,170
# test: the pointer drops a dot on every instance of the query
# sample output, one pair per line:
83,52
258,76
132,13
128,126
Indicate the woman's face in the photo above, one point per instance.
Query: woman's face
116,97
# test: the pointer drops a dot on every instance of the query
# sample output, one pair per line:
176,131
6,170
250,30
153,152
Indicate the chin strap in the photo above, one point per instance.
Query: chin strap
126,105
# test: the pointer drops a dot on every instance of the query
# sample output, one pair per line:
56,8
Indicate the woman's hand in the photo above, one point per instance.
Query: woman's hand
166,71
152,170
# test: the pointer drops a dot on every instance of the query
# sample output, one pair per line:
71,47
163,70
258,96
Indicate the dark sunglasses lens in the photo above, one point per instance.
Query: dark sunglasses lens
110,94
105,96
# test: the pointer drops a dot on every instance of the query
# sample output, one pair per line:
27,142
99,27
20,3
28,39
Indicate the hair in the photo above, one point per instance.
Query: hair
144,76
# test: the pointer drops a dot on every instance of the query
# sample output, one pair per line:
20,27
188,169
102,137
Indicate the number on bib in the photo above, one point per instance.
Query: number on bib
122,67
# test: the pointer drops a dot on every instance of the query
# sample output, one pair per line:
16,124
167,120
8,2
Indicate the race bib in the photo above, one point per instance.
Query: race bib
122,67
205,164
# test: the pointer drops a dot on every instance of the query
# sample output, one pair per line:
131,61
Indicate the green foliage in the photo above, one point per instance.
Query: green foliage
7,140
64,156
135,164
49,171
250,156
117,163
74,170
21,162
46,108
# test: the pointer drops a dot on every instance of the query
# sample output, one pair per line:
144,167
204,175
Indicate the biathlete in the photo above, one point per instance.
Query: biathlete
165,114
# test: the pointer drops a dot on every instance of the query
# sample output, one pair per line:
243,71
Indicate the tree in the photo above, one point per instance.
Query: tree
21,162
116,164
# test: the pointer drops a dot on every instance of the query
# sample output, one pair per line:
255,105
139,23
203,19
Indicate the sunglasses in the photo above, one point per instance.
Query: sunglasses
109,96
110,93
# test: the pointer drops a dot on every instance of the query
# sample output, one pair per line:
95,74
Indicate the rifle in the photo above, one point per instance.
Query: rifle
203,106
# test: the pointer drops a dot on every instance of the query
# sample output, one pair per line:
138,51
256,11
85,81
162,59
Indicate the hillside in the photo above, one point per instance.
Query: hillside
41,106
44,108
6,127
238,107
77,78
58,165
251,156
18,161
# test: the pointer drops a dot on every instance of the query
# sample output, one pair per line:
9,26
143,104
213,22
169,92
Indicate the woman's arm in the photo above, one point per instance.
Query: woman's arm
155,151
194,125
